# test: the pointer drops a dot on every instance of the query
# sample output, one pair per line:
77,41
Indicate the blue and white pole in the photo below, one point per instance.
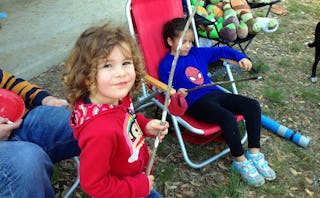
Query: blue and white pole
285,132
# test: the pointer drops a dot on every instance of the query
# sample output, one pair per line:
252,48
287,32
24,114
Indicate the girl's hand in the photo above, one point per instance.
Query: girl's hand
6,128
151,180
154,126
183,92
245,64
53,101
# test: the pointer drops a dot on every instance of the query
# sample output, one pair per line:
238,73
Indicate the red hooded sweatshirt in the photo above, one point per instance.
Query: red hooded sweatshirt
114,153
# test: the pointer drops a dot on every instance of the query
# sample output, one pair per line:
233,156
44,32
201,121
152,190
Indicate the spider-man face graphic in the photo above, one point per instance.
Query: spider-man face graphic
194,75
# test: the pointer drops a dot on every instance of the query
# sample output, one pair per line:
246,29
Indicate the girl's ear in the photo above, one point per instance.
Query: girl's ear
87,82
169,41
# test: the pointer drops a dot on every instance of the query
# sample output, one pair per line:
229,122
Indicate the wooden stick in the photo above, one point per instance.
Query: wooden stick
167,98
224,82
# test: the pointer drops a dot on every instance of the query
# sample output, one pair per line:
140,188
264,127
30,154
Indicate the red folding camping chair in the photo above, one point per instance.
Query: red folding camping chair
145,20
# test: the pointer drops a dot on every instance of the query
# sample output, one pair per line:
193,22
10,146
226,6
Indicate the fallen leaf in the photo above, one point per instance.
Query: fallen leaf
309,192
194,183
309,181
293,171
188,194
293,188
222,166
291,195
217,150
178,195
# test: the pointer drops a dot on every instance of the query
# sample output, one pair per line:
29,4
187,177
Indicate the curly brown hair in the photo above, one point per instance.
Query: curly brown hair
94,44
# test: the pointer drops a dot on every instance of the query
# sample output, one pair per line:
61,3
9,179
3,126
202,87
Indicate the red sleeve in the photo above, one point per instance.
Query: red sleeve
97,148
143,121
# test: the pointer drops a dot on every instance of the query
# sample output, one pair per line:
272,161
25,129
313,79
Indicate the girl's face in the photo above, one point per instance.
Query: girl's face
115,78
186,44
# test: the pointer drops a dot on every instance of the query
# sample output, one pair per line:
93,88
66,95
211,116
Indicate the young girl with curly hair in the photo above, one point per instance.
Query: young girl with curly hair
103,71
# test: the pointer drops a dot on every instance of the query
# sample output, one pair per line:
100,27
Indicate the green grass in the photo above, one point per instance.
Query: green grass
295,47
55,172
310,95
234,188
284,62
166,173
261,66
274,94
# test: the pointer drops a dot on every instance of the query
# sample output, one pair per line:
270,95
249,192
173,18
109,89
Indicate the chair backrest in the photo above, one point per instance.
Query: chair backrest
148,17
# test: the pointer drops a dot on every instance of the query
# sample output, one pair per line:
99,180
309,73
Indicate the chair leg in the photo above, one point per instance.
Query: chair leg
213,158
76,182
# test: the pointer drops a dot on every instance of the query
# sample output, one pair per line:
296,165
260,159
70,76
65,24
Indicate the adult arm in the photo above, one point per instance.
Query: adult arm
32,94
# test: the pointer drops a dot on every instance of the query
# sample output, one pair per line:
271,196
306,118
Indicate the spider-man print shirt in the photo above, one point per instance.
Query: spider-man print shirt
192,70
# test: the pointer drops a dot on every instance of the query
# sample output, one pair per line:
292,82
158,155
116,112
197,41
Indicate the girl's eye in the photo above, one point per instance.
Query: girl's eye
187,41
107,66
127,63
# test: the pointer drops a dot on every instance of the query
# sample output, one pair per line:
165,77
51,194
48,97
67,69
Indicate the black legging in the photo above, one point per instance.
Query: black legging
220,107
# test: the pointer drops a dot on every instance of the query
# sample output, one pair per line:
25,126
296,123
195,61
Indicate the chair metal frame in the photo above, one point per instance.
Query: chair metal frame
76,181
148,96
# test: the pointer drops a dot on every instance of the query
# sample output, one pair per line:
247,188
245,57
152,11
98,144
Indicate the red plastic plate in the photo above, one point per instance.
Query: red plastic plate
11,105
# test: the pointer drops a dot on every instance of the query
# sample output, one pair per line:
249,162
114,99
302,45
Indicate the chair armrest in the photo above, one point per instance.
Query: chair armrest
158,84
230,61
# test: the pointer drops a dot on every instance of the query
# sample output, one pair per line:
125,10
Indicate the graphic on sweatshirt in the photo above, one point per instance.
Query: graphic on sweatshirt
133,135
194,75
